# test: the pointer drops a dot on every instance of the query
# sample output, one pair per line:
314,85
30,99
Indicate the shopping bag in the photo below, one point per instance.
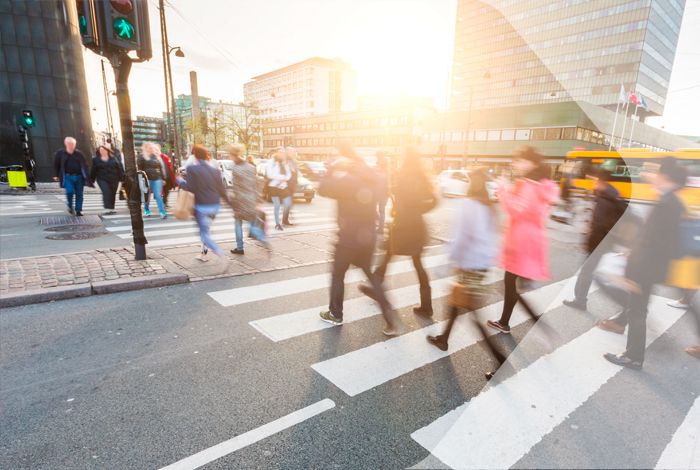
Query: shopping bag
184,206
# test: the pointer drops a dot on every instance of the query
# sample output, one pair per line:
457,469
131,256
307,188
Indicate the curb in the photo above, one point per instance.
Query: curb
50,294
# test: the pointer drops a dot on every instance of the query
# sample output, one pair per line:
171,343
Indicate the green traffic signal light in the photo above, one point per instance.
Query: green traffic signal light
28,118
82,24
123,29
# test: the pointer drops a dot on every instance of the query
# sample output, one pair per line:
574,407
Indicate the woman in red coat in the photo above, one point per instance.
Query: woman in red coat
525,251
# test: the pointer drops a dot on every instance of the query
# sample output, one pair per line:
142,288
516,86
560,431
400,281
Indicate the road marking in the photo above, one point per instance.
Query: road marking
289,325
366,368
684,449
251,437
258,292
518,412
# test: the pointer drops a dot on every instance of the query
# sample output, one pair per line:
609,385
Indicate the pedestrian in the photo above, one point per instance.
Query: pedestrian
354,186
527,205
150,162
245,198
607,210
648,263
169,182
383,194
205,182
291,184
278,175
473,250
72,173
107,172
413,196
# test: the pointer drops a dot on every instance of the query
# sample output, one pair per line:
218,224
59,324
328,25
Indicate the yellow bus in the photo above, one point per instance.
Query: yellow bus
626,166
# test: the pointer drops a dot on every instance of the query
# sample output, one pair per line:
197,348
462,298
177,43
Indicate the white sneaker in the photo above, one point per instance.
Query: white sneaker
678,304
203,258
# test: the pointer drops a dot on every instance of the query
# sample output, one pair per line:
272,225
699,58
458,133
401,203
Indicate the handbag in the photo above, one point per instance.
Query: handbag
460,296
184,205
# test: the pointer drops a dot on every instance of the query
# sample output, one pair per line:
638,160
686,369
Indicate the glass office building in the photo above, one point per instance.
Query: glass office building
511,52
41,69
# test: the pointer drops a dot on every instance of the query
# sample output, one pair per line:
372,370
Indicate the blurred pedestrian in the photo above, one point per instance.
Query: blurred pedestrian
150,162
354,186
205,182
525,253
245,197
107,172
278,176
383,192
412,196
71,171
473,251
291,184
608,207
647,264
169,182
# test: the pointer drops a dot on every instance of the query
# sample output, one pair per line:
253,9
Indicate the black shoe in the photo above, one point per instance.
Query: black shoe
423,312
438,341
236,251
278,227
623,361
250,235
575,303
79,214
71,211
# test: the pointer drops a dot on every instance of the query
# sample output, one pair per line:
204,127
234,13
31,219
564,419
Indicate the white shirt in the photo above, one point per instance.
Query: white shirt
278,174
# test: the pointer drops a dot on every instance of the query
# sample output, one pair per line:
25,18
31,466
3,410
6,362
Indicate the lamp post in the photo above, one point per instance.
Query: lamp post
168,76
176,133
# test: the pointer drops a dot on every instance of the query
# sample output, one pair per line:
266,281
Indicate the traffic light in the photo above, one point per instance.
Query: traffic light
126,26
88,24
28,118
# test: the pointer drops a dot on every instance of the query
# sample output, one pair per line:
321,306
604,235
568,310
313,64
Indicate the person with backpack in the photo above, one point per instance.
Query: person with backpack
473,250
150,162
413,196
608,207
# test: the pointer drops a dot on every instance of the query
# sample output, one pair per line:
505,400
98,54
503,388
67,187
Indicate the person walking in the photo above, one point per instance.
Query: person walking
354,186
71,171
383,194
527,205
205,182
278,175
413,196
473,251
648,263
150,162
107,172
607,210
169,182
245,197
291,184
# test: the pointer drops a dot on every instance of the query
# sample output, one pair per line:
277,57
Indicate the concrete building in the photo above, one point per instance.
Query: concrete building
41,69
511,53
312,87
148,129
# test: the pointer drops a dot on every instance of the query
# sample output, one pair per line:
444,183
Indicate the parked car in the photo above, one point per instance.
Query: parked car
226,167
455,183
304,190
312,170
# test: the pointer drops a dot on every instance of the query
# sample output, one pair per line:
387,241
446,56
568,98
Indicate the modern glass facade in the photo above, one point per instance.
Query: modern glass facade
148,129
510,52
41,69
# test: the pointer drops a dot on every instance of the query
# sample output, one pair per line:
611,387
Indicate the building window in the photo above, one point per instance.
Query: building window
493,135
553,133
508,134
480,135
539,134
568,133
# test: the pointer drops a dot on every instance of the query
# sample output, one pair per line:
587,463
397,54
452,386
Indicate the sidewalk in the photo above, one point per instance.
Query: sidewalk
45,278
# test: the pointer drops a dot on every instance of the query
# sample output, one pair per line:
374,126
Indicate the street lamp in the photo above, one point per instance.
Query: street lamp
167,72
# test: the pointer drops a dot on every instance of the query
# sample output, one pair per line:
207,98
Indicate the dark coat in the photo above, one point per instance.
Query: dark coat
59,164
412,199
110,171
607,210
354,186
154,167
657,243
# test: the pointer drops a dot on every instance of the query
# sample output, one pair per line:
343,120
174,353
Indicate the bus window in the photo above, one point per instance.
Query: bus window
693,169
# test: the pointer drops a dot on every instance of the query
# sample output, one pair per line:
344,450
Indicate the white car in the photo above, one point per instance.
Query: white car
226,167
455,183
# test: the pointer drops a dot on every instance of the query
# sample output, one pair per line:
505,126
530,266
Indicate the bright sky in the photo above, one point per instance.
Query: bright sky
396,46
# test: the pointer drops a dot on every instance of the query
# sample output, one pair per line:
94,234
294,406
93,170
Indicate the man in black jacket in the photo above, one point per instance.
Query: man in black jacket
71,171
649,260
354,185
607,210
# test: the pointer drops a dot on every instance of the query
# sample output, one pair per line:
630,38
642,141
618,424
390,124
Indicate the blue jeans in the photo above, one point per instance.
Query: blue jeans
256,232
287,201
155,187
205,214
74,186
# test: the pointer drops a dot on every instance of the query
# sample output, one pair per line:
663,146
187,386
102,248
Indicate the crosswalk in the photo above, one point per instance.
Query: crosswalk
173,232
25,205
516,411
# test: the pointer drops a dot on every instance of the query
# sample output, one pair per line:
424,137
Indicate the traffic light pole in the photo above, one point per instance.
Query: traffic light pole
121,63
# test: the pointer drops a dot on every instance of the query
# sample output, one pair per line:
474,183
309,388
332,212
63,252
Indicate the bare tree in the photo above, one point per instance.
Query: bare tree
248,127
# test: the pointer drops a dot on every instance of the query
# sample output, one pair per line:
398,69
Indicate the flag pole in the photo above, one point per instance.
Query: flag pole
629,142
624,123
612,134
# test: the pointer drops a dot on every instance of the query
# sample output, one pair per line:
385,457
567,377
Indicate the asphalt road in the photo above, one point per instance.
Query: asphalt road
239,374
